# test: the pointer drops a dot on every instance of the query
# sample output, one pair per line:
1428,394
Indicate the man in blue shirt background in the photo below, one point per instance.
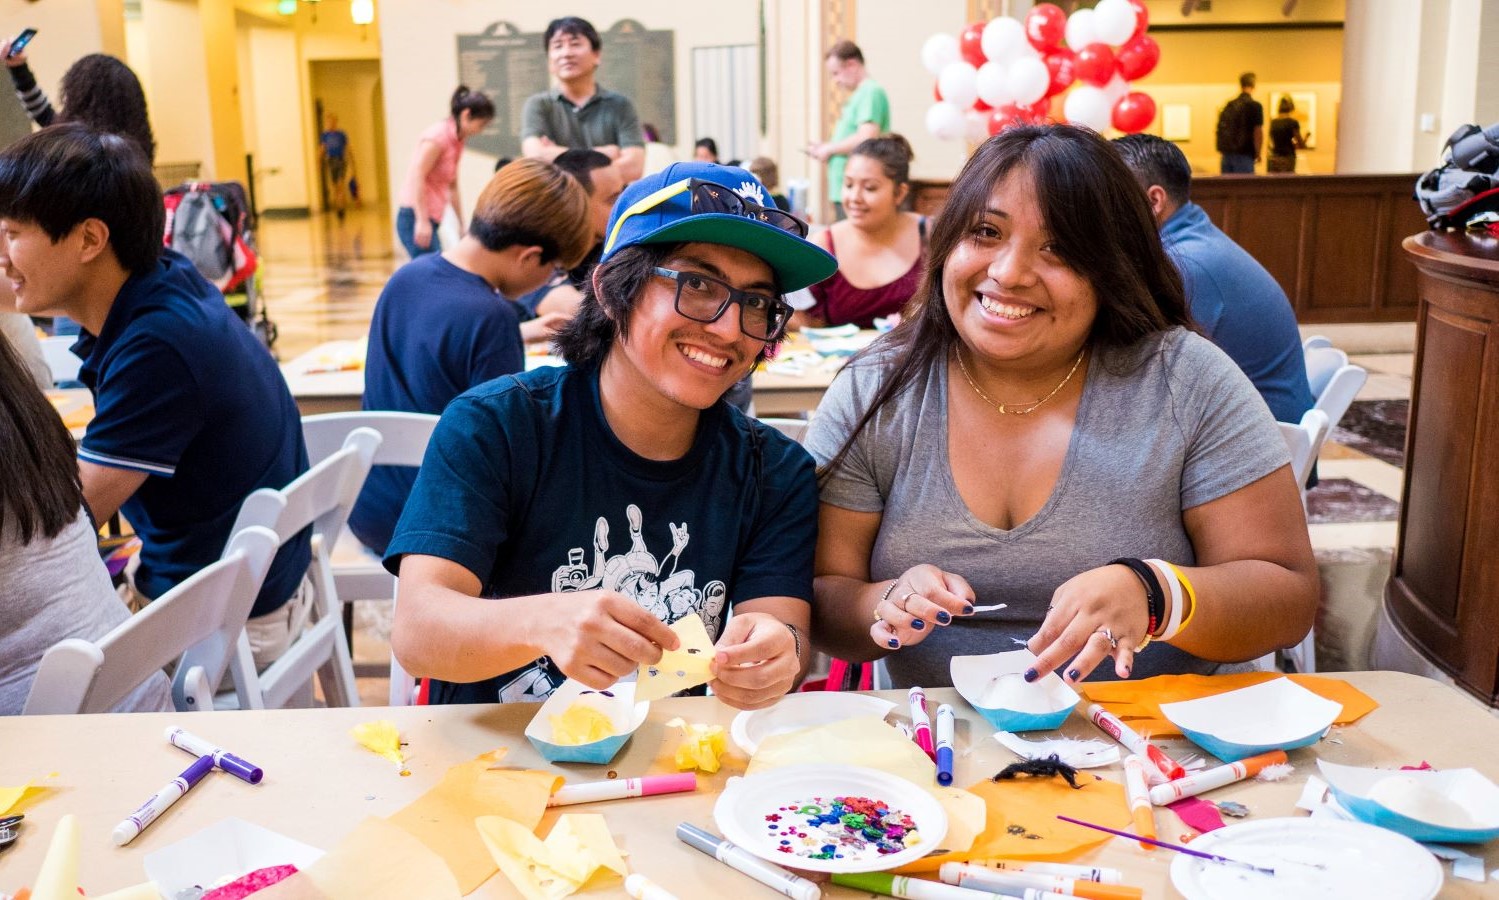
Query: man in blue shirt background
191,414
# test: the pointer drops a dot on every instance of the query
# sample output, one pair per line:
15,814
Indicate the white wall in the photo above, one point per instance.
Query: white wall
176,86
65,30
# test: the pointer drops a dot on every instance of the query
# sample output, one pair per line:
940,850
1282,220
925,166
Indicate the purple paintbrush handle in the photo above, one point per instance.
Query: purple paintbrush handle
1169,846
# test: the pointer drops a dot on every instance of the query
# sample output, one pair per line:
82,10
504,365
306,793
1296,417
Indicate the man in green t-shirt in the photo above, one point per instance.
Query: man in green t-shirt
865,114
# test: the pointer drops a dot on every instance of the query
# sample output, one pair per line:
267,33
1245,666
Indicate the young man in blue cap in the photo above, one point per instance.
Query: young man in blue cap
563,517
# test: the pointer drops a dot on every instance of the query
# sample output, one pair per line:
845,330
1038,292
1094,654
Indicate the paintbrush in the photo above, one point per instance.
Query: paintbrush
1210,857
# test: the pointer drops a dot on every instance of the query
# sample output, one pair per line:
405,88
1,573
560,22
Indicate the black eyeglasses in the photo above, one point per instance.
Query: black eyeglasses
703,298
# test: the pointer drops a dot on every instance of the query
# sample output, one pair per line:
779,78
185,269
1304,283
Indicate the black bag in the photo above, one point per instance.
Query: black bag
1232,136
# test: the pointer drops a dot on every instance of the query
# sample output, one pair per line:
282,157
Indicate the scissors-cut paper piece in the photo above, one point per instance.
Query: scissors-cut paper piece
376,859
381,737
1139,702
578,848
701,745
1075,752
685,667
580,724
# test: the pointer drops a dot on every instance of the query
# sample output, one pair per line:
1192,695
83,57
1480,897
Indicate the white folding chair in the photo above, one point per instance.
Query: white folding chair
1334,381
320,498
192,624
403,442
1316,340
60,359
1304,440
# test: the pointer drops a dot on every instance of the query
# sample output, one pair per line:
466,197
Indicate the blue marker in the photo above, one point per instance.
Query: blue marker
944,744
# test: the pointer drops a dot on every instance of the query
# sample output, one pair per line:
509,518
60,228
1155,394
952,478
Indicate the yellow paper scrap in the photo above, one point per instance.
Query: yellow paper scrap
580,724
10,796
443,817
701,745
685,667
578,848
381,737
58,878
377,859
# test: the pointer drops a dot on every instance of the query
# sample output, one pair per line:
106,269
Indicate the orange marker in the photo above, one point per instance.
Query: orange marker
1139,798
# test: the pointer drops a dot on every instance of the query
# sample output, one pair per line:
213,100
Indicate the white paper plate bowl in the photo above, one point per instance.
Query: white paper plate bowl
222,852
794,712
995,686
1451,806
1275,715
756,811
618,703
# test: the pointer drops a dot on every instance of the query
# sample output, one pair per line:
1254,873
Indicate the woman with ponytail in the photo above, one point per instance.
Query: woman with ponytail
432,180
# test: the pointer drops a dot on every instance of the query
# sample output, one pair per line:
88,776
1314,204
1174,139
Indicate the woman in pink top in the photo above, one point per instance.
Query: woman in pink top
880,247
432,181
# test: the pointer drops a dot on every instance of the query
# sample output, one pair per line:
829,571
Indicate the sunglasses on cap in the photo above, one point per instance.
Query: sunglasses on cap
709,197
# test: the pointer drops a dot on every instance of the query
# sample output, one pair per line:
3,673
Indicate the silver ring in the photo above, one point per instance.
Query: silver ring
1109,636
906,598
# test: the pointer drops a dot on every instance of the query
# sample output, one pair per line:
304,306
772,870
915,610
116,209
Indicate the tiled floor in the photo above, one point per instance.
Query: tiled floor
320,280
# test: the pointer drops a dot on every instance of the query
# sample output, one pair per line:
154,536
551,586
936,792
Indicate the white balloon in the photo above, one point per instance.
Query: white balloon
1080,31
993,85
938,51
1088,105
1029,79
1115,89
958,84
945,121
976,126
1003,40
1114,21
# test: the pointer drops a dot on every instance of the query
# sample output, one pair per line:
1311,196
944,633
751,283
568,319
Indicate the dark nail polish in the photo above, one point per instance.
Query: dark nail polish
1074,674
1030,675
943,617
918,625
968,610
893,643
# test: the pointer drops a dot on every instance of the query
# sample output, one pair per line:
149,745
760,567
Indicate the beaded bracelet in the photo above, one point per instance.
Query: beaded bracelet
883,597
1173,625
796,640
1155,599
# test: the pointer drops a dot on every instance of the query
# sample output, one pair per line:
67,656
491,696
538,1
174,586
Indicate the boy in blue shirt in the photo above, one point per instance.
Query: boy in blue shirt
191,414
562,518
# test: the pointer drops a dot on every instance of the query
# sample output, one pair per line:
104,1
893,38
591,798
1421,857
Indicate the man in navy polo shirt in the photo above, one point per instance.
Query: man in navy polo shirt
564,516
191,413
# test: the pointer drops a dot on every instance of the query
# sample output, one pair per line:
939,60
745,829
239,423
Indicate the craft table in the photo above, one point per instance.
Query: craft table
319,783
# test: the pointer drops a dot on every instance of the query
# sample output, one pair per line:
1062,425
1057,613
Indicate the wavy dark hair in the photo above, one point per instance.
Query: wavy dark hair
1103,230
102,93
40,492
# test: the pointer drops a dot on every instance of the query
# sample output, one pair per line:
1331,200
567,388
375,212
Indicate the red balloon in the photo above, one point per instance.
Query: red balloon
1138,58
1038,112
1045,26
1062,64
1133,112
970,42
1142,17
1095,64
1003,118
980,106
937,91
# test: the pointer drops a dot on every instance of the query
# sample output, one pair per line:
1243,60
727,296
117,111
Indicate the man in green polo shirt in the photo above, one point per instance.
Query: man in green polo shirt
866,114
577,114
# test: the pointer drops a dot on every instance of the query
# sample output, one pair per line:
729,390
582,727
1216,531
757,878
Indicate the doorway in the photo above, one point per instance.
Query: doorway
352,91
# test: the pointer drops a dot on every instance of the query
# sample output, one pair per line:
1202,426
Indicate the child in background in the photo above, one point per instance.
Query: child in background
765,169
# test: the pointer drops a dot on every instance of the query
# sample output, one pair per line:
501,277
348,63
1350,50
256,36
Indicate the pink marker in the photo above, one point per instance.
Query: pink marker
921,723
623,788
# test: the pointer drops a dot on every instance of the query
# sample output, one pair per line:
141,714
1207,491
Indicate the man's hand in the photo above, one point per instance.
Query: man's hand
598,637
820,152
756,663
544,327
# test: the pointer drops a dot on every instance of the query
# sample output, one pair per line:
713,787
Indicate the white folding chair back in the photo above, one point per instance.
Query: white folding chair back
321,498
795,429
189,624
1335,382
1316,340
60,359
1305,440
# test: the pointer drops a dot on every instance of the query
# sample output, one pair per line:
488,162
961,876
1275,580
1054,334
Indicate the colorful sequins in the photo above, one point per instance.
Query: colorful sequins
841,828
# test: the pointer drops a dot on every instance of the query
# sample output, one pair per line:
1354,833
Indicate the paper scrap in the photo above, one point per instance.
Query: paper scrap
688,666
382,737
1139,701
443,817
580,724
10,796
701,745
1199,814
1075,752
376,859
578,848
58,878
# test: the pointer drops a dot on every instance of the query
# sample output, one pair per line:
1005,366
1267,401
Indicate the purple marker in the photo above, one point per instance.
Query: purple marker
222,758
161,801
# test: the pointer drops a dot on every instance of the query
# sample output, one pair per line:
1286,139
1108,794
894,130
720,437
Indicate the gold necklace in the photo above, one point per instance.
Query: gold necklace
1016,412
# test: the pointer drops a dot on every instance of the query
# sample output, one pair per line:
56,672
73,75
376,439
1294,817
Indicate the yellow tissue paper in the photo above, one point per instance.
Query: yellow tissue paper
381,737
701,745
10,796
685,667
580,724
578,847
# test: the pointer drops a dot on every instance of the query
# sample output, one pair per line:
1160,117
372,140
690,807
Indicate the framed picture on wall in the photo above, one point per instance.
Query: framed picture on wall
1303,110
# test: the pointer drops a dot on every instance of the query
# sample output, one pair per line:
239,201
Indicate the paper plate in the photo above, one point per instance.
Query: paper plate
1358,861
1275,715
222,852
618,703
794,712
773,815
1454,805
994,685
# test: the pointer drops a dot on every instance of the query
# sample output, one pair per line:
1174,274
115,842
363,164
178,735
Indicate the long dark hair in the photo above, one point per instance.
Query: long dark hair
40,491
102,93
1100,222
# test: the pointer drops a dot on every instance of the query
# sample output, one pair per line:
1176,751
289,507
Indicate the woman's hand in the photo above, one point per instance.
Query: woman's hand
14,62
924,597
756,662
1097,614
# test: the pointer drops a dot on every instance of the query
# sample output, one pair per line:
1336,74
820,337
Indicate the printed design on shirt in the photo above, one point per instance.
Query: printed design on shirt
660,587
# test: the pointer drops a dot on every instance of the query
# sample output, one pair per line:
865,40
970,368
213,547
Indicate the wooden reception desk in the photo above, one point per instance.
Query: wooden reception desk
1443,592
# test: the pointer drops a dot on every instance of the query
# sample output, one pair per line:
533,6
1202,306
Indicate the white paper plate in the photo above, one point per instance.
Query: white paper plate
794,712
1358,861
744,814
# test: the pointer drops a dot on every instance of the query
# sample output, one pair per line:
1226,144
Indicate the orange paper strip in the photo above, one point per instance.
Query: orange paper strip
1139,702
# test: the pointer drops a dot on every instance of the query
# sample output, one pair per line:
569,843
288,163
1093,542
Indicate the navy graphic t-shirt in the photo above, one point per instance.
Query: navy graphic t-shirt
525,485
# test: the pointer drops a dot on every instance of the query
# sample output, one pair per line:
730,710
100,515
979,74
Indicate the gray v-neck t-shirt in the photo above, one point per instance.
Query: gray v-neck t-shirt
1164,425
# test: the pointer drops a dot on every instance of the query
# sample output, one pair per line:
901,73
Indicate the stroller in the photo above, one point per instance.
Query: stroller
210,222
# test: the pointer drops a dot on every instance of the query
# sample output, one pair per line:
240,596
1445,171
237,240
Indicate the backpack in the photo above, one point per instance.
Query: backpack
1232,135
1465,184
201,234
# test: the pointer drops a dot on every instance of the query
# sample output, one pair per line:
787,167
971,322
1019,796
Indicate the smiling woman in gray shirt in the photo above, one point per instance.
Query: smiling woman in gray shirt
1044,411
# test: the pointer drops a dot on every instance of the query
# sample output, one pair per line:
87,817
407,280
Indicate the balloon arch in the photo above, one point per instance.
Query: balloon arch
1007,72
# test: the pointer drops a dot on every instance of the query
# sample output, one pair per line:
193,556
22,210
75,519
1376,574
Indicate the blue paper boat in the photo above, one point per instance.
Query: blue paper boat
1275,715
994,685
618,703
1457,806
